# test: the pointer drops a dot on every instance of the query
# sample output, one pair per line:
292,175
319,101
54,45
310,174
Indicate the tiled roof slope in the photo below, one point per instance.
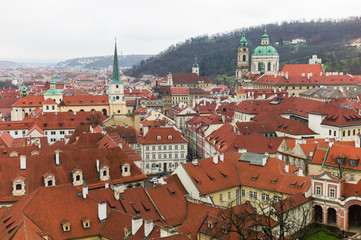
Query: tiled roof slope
163,135
37,165
209,177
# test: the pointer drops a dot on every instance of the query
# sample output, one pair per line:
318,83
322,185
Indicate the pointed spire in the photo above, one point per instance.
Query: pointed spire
195,61
116,75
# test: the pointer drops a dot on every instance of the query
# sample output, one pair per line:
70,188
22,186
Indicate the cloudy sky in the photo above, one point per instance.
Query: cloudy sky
63,29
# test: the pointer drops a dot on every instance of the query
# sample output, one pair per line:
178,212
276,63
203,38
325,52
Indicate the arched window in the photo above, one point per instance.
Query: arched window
269,66
259,66
244,58
19,186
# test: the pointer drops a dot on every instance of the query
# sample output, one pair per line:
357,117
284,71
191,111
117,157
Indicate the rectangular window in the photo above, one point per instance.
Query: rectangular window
170,155
329,132
175,164
153,156
243,193
352,177
176,147
221,197
147,148
164,155
170,147
160,156
16,132
238,200
147,156
229,195
354,132
334,133
159,147
62,132
255,195
318,189
153,148
349,132
176,155
332,192
53,133
164,147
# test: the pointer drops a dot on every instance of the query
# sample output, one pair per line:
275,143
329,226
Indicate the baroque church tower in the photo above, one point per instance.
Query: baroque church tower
195,68
116,89
242,69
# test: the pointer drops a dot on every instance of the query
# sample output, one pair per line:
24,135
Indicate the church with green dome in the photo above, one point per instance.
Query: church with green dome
265,58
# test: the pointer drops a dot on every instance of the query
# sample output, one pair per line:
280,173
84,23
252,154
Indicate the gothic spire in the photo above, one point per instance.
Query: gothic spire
195,61
116,75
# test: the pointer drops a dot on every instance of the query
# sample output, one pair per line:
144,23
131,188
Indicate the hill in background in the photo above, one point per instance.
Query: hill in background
125,61
216,54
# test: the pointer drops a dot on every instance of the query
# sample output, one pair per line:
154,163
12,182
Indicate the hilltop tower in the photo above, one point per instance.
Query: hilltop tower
265,54
242,69
116,89
195,68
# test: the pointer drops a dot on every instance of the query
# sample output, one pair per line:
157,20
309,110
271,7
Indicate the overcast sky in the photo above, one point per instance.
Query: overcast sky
63,29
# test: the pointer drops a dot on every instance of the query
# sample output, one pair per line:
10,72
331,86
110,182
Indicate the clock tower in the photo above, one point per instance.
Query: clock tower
242,69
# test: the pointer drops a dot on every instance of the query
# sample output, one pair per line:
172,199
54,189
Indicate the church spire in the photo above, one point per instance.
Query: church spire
116,75
195,61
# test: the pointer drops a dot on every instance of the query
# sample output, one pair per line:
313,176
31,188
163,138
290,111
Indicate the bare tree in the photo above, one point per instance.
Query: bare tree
266,219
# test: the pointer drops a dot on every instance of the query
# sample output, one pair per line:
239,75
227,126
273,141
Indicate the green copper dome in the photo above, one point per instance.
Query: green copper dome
53,92
23,88
243,41
265,36
148,81
265,50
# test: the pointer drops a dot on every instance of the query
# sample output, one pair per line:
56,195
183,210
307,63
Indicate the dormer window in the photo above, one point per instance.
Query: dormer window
210,224
49,179
159,137
65,225
126,170
77,176
19,188
85,222
170,137
126,232
104,172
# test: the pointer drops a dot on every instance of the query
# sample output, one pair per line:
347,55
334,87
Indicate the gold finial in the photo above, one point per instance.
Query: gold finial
265,28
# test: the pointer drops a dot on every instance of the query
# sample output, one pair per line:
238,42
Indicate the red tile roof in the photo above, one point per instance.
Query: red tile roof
163,136
209,177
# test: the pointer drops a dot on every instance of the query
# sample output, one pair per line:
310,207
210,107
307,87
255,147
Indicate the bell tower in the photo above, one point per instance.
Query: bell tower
195,68
116,89
242,68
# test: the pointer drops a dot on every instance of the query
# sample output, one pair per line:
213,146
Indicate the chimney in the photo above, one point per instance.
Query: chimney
287,167
97,165
85,191
148,227
221,157
120,145
57,158
137,222
215,159
300,172
102,211
195,162
117,191
286,75
23,162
